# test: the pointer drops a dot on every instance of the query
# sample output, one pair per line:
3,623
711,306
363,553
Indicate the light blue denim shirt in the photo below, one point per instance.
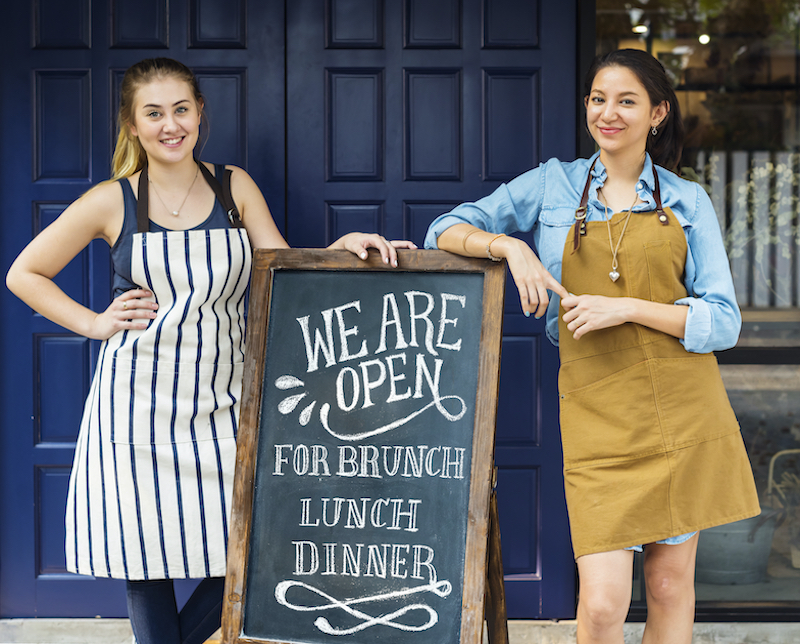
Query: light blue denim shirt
544,200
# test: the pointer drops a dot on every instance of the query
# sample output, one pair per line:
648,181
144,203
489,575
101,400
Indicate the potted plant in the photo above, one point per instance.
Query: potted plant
785,497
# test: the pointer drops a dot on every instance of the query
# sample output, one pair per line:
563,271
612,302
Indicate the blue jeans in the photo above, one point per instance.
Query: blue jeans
155,618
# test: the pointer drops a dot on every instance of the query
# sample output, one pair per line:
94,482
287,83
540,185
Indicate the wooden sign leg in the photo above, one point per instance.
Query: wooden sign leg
496,618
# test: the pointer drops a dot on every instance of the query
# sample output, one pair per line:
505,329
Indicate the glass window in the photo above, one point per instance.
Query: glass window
736,70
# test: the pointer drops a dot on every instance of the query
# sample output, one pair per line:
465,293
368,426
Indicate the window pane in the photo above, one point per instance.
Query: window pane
735,68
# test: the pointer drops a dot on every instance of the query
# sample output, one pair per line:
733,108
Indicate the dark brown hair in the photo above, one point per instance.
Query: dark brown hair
666,147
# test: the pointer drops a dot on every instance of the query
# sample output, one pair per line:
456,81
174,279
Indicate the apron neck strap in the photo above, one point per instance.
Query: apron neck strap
580,213
142,209
223,193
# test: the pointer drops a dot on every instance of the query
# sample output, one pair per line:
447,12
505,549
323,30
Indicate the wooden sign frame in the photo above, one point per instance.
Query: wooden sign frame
268,263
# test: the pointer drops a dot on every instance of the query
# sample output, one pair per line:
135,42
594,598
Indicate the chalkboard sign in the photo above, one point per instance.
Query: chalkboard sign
365,454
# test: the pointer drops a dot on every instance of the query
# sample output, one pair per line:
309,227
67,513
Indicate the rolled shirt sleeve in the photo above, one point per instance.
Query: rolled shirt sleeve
713,321
512,207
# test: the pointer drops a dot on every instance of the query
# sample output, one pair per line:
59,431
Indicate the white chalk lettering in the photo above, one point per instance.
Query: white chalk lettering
398,561
416,570
369,385
319,464
344,332
318,460
337,511
422,370
395,377
305,511
330,558
300,548
355,385
382,560
398,514
389,301
457,463
356,518
371,461
398,450
351,562
411,296
444,321
280,459
301,460
319,343
376,561
347,457
361,513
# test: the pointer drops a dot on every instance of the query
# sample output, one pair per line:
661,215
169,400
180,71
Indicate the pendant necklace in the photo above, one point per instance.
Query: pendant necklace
177,212
614,274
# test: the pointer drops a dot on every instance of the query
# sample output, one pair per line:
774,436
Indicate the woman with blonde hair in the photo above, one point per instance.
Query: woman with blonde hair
150,491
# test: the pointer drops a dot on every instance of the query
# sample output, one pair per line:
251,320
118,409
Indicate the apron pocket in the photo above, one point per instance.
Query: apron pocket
692,399
157,402
614,418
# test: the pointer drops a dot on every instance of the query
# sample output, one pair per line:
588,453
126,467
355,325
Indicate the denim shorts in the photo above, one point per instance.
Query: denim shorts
670,541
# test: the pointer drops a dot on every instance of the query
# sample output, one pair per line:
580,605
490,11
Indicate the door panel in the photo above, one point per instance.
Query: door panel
391,113
66,77
394,119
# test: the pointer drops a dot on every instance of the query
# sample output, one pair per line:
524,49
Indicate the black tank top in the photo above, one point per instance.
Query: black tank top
121,250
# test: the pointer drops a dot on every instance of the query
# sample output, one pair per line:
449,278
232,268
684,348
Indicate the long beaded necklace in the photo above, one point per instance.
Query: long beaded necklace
177,212
614,274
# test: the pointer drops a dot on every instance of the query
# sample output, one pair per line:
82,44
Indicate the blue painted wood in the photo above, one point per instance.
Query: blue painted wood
354,24
511,122
512,24
57,107
61,24
346,218
140,23
214,25
515,107
432,24
432,122
354,105
457,122
62,101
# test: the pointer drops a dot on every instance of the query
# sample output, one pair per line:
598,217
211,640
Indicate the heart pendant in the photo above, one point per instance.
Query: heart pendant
614,276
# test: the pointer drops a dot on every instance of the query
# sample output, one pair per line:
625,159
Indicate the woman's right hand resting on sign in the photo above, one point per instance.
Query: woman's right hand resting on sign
531,277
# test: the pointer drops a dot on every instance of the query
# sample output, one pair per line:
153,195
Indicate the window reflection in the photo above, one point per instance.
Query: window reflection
736,67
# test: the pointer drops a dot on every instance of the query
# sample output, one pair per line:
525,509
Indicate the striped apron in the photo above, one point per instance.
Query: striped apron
151,484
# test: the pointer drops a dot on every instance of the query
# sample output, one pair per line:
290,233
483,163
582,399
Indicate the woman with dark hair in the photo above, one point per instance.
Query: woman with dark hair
642,296
150,492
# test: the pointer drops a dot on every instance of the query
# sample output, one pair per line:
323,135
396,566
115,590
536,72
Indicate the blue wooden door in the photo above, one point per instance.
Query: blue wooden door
396,111
63,61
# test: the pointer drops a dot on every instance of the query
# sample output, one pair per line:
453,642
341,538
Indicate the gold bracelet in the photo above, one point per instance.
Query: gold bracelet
489,248
464,238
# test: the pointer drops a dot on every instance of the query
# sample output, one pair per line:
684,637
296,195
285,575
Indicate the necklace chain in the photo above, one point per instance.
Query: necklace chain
177,212
614,274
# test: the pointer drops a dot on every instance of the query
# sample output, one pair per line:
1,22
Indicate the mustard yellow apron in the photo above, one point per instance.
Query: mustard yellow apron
652,448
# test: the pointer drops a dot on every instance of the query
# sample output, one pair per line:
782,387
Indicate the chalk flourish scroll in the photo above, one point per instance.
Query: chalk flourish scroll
288,405
440,588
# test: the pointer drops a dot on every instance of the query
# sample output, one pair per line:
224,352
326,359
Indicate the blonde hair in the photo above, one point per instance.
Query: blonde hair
129,155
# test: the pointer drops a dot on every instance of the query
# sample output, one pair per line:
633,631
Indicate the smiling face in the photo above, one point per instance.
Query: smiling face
166,119
619,113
